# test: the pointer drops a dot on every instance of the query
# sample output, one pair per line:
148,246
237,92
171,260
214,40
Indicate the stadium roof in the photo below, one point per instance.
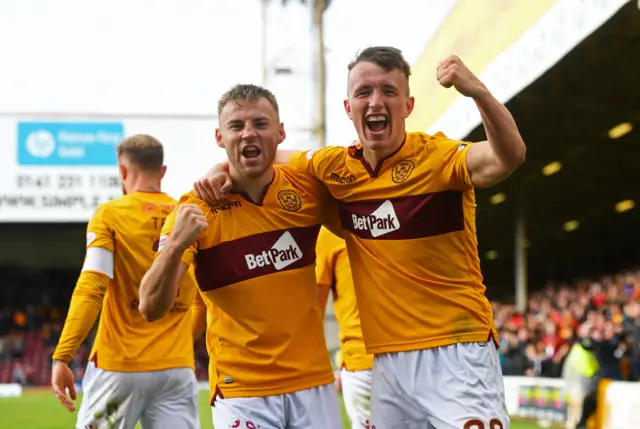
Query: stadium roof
565,117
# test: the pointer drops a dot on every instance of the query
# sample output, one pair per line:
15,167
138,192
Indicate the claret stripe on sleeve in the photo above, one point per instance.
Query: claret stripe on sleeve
256,255
404,218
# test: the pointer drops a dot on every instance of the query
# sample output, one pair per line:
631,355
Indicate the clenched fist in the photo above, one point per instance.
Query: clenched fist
189,224
453,72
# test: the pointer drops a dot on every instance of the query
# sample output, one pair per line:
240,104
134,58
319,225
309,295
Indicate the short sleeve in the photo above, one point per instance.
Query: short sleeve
99,232
189,255
316,162
454,162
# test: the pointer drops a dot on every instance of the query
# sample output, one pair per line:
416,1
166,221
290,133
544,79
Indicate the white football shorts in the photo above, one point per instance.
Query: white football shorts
166,399
356,393
451,387
315,408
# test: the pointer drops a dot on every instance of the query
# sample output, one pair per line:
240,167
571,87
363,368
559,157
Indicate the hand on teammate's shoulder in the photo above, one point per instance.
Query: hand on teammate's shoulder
214,186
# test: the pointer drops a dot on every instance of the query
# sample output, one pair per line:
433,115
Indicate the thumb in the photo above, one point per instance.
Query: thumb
226,184
72,390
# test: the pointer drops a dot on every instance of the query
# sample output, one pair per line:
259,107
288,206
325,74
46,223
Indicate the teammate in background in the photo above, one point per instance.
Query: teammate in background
254,258
407,207
137,370
333,273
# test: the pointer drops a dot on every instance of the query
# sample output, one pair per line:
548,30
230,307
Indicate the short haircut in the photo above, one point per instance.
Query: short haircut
142,150
386,57
243,92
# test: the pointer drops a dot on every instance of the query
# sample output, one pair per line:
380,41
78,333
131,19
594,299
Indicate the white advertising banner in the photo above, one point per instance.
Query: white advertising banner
60,170
55,169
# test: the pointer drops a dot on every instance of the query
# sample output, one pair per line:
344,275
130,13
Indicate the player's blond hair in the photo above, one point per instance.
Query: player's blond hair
143,150
242,92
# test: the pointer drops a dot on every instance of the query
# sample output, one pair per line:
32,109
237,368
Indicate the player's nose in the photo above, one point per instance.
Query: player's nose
249,134
375,101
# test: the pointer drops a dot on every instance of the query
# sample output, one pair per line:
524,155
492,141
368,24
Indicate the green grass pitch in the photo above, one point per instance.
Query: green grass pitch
39,409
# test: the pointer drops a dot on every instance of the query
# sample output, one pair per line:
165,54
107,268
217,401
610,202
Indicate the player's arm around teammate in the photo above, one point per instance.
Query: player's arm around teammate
488,162
160,284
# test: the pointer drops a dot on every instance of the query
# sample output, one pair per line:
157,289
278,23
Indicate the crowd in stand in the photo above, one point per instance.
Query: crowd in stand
32,312
535,342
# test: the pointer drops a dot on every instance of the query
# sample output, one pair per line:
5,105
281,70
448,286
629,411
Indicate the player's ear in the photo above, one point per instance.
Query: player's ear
164,171
219,138
123,171
409,106
282,134
347,108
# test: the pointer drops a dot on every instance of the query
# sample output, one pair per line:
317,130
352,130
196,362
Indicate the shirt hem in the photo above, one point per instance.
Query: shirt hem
359,366
136,366
431,343
244,392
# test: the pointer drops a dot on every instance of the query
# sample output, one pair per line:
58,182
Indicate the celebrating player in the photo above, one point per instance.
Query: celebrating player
254,258
137,370
408,207
333,273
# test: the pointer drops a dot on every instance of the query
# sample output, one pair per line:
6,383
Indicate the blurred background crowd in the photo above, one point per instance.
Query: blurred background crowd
605,310
532,343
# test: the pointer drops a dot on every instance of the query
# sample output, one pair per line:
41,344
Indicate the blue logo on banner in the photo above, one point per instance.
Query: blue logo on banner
69,143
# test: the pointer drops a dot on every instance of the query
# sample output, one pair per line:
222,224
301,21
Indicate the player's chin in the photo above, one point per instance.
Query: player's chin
255,169
377,143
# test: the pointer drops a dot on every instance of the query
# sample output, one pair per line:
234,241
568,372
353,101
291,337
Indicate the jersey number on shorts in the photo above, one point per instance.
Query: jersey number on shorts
479,424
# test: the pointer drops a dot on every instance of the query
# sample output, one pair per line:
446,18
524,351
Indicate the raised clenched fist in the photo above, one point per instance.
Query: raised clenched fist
453,72
189,224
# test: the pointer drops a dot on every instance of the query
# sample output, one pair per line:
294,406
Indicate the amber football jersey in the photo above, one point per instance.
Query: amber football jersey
129,228
411,240
333,269
255,263
212,314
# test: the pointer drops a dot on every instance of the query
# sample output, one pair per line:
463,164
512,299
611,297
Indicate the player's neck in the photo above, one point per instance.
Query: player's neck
148,185
374,156
252,187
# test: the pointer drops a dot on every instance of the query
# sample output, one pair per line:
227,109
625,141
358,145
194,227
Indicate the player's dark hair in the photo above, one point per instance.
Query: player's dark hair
243,92
143,150
387,57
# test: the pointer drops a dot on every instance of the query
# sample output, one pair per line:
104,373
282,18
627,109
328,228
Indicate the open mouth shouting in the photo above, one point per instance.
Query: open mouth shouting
376,123
250,152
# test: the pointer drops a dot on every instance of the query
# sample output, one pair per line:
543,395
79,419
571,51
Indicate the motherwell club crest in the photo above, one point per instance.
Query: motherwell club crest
402,170
290,200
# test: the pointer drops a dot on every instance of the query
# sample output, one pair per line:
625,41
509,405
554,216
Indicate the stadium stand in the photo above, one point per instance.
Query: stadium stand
535,343
32,310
